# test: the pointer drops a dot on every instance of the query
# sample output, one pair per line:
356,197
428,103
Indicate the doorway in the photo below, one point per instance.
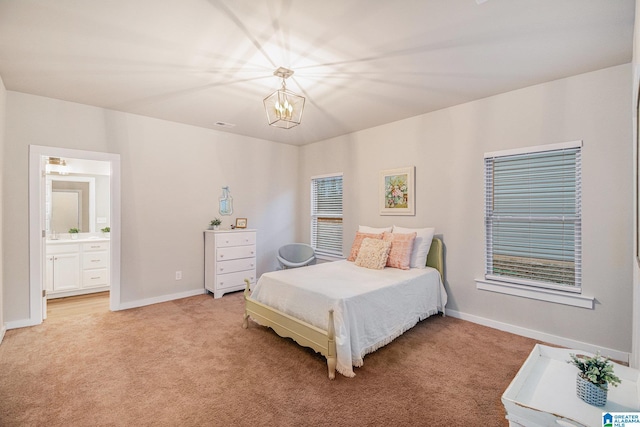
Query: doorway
40,224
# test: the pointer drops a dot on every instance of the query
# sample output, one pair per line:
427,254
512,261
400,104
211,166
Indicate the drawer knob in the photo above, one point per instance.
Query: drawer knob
221,269
221,255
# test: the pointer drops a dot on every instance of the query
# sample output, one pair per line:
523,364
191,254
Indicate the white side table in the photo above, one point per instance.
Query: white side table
543,393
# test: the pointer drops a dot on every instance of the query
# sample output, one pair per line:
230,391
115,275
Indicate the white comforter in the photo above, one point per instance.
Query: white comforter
371,307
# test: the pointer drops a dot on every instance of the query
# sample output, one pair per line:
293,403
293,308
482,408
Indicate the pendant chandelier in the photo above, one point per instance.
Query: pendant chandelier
284,108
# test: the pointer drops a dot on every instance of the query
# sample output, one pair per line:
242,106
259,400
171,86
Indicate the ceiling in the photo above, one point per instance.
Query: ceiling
359,63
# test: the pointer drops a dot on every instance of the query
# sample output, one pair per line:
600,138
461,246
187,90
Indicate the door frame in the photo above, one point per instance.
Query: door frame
37,221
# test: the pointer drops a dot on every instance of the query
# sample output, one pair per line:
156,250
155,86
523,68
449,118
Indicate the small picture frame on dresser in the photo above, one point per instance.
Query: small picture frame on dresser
241,222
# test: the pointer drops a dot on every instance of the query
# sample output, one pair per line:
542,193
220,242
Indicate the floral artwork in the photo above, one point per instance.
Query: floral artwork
397,192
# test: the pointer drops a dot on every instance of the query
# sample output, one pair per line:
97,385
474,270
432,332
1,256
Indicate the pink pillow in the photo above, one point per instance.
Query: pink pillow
401,247
373,253
422,244
357,242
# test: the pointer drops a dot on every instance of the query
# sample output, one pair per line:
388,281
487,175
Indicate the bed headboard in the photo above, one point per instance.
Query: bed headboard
435,258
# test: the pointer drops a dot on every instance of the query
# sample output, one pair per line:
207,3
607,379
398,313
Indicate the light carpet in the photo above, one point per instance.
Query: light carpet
190,363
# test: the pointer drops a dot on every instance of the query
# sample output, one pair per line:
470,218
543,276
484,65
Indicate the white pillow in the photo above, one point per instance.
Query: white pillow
373,230
421,244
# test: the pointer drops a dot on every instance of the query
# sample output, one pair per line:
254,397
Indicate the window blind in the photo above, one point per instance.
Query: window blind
533,218
326,214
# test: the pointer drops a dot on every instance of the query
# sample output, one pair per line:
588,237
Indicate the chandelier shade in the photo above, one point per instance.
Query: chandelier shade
283,107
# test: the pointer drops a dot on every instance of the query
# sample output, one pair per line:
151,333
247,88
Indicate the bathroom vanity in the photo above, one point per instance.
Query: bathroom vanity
75,267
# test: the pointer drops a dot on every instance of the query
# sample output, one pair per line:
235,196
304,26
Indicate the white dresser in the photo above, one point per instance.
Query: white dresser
229,258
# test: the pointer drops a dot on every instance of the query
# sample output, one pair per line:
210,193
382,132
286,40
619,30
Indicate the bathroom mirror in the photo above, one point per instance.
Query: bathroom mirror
70,203
67,209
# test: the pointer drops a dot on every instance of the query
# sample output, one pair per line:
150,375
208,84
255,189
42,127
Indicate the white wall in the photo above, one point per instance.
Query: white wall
3,98
103,205
172,176
447,148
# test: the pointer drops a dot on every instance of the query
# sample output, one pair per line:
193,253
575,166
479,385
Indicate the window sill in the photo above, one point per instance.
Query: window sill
324,257
541,294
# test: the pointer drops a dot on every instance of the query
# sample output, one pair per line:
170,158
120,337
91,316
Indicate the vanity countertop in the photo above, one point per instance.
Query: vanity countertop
83,240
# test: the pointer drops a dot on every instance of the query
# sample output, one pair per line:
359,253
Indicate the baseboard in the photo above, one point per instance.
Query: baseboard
156,300
617,355
2,331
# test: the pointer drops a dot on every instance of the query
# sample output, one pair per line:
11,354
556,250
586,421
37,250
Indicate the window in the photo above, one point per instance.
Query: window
326,214
533,216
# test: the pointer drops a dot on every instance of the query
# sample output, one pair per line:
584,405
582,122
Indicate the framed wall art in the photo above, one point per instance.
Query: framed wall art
241,222
397,191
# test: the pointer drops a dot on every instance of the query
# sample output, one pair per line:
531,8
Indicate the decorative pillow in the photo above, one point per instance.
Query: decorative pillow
358,241
373,253
421,244
365,229
401,249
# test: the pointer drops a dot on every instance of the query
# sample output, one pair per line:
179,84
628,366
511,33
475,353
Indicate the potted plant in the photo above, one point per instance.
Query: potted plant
594,376
215,223
106,230
74,233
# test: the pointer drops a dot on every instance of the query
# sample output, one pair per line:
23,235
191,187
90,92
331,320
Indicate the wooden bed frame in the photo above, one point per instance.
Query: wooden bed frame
308,335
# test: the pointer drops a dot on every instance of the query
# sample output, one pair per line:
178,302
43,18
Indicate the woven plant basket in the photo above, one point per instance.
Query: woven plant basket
590,393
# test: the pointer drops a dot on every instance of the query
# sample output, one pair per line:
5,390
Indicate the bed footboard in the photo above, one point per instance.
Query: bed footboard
287,326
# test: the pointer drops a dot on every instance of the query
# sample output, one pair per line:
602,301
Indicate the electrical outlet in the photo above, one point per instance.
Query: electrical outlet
178,275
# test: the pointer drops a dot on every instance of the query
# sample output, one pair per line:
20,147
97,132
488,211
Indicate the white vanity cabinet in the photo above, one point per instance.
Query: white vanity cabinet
75,268
95,264
62,271
230,258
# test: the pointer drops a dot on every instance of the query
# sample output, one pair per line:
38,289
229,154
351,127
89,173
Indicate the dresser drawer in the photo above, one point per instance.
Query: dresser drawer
236,239
231,266
231,280
94,260
95,246
236,252
94,278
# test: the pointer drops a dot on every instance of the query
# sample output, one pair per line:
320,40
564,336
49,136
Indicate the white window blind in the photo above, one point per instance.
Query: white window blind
533,217
326,214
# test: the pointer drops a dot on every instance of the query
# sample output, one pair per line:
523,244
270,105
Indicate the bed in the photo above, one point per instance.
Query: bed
344,311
